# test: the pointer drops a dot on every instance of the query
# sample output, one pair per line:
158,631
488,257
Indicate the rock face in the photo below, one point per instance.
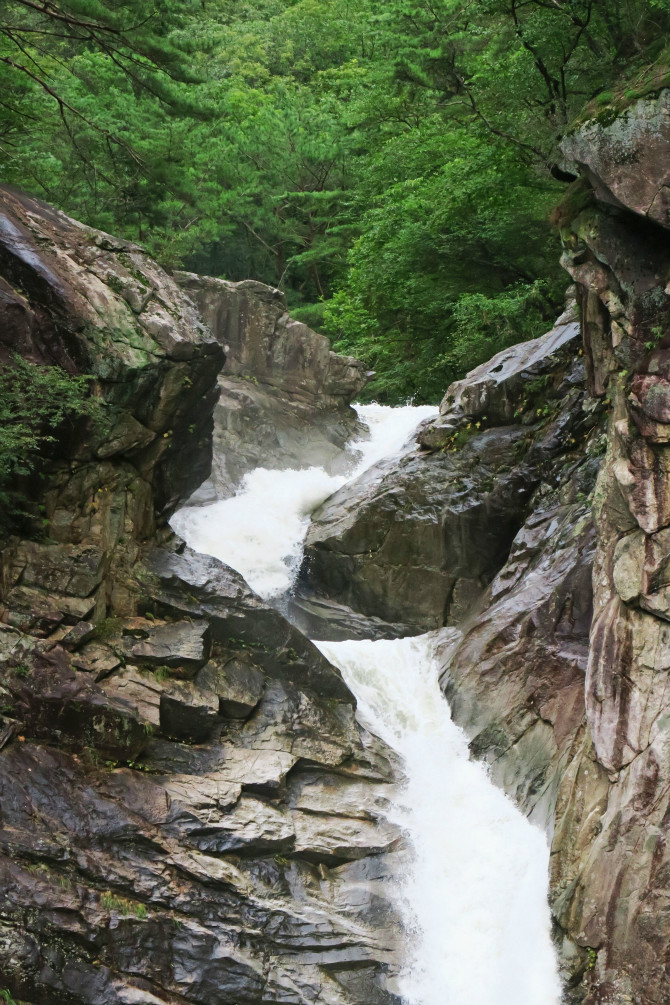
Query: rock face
81,299
625,157
616,894
189,812
559,670
417,541
285,396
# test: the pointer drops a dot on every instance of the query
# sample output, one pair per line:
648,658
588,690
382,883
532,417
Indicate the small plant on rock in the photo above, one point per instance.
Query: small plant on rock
122,905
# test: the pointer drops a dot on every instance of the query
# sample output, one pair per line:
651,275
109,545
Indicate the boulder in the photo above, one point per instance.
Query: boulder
499,391
262,341
416,539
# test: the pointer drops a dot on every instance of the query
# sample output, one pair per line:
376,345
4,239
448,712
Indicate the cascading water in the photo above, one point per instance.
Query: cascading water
475,893
474,897
261,530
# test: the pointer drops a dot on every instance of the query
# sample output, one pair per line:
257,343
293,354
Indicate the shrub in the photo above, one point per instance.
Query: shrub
35,404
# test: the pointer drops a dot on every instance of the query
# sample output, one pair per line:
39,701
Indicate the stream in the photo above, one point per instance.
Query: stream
474,897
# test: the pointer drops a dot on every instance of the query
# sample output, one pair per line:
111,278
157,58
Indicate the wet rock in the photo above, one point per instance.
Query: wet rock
571,712
284,393
237,684
56,703
156,365
498,391
328,621
178,877
188,713
178,644
415,540
202,587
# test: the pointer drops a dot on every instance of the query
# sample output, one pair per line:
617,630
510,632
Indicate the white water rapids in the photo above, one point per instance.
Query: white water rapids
474,899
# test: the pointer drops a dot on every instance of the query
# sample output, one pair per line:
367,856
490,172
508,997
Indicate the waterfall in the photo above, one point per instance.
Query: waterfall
475,894
261,530
473,898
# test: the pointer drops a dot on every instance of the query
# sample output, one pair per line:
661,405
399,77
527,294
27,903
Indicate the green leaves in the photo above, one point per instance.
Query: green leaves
35,403
389,165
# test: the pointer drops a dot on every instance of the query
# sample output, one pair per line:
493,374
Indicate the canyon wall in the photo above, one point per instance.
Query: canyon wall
534,515
285,396
189,812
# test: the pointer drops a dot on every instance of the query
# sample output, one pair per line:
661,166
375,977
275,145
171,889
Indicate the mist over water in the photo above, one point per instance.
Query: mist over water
474,899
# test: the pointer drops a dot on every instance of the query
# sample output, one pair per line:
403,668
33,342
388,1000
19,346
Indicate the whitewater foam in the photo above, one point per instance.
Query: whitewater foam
260,531
473,897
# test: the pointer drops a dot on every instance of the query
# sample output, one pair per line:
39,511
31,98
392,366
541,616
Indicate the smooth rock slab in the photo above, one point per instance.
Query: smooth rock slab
177,644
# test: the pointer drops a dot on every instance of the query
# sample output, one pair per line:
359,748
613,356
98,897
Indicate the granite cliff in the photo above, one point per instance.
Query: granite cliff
533,515
189,811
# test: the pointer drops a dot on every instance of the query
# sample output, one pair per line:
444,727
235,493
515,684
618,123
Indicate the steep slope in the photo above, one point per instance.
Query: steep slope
285,396
189,811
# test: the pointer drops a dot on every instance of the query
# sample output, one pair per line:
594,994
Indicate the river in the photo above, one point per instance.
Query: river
474,896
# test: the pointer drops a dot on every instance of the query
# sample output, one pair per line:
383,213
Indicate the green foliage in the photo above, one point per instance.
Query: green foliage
390,166
37,405
122,905
108,628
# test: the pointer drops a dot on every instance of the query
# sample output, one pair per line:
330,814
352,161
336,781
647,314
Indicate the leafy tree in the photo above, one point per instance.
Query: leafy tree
390,166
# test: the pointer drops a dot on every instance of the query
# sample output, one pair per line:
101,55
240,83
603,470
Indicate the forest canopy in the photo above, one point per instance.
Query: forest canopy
391,166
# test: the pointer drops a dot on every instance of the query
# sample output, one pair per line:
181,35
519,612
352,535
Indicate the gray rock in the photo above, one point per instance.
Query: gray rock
238,685
605,152
178,644
188,713
395,543
415,540
176,878
202,587
284,393
496,391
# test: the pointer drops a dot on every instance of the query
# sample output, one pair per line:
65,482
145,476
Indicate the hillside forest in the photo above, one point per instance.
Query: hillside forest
393,167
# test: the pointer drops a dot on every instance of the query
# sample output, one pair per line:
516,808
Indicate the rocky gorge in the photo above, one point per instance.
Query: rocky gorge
190,810
555,454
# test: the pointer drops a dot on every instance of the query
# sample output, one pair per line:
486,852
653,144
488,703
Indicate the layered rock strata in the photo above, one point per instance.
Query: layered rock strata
559,673
189,812
286,396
